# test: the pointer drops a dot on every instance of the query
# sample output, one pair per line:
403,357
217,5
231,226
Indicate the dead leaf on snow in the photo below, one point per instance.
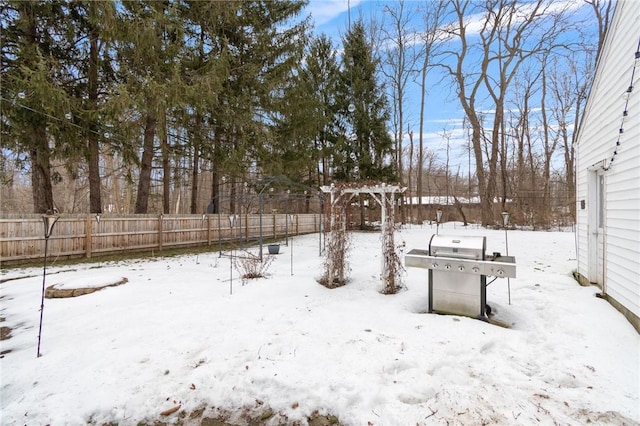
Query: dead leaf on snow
170,410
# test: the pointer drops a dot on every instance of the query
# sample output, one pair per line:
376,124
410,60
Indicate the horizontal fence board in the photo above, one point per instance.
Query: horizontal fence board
73,236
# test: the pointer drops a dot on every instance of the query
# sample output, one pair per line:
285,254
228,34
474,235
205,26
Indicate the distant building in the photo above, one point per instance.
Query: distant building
608,169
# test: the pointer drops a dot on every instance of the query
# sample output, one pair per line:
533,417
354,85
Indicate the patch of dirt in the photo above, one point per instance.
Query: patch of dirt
4,280
5,333
54,293
598,418
212,416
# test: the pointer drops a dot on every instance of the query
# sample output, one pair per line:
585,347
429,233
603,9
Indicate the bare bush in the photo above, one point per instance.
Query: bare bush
251,266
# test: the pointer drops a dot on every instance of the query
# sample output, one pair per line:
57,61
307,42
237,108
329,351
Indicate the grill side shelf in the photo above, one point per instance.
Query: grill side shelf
502,267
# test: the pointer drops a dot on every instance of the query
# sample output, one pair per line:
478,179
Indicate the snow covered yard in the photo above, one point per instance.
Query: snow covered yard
173,335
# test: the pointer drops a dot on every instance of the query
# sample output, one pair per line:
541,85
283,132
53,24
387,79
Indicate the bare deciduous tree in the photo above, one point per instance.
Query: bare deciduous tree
431,37
399,61
510,33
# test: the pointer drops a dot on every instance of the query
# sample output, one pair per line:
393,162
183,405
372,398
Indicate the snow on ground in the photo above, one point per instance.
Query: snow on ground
174,335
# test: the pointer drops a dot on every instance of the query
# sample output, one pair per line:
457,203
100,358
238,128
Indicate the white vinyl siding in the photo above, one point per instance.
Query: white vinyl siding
595,147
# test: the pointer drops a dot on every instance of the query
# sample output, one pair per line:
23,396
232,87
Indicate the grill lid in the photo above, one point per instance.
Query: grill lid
457,246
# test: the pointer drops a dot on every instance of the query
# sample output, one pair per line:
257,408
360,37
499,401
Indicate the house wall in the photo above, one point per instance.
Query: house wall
596,145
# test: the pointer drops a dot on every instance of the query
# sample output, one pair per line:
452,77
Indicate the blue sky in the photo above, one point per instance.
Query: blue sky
331,17
328,15
443,111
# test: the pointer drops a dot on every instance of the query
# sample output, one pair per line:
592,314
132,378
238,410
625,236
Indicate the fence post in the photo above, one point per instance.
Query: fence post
208,229
160,232
88,239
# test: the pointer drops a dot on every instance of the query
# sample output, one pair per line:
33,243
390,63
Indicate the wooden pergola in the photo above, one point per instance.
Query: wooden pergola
385,196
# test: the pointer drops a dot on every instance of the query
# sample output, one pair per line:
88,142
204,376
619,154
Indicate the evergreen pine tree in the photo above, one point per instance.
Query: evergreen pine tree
367,147
35,49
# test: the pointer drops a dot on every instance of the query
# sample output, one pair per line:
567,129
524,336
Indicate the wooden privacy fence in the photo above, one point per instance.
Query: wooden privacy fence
73,236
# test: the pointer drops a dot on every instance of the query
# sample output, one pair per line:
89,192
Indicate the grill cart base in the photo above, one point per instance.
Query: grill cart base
457,293
458,269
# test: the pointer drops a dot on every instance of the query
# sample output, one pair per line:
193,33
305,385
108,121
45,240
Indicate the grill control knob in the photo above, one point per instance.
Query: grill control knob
500,272
447,266
461,268
435,265
475,269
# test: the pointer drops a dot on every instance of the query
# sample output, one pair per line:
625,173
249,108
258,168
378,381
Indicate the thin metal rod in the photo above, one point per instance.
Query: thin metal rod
321,227
286,222
506,241
44,277
231,272
219,234
260,219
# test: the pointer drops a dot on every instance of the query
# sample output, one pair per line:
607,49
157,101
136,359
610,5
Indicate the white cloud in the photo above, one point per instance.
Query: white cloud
476,22
323,11
447,121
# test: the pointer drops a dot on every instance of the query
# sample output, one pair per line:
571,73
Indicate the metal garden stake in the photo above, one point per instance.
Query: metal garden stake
48,220
505,222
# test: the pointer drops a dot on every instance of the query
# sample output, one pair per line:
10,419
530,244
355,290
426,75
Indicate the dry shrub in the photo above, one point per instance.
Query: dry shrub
250,266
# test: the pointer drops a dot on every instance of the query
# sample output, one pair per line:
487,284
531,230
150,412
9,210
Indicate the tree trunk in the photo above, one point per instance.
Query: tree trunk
410,177
195,165
503,168
486,203
215,192
41,173
420,165
215,174
166,168
533,180
232,197
569,163
492,181
195,175
93,151
458,205
146,163
522,131
37,140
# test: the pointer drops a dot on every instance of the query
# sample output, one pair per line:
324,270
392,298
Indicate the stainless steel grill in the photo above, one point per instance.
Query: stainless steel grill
458,270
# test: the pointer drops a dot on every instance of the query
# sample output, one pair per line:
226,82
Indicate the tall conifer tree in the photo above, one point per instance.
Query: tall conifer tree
367,148
35,48
150,39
